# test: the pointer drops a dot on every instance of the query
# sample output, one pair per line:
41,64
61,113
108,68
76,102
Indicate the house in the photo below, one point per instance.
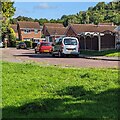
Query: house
52,31
14,27
46,25
28,31
93,37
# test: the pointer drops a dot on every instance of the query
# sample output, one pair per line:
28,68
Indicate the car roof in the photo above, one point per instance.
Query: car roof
45,42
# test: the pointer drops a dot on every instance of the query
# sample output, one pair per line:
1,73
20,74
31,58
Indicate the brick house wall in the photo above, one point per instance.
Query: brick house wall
30,35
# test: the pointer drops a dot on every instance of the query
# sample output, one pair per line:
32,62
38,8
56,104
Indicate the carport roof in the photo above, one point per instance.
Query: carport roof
91,28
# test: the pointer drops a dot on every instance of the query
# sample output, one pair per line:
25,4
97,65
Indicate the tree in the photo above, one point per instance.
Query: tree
7,12
42,21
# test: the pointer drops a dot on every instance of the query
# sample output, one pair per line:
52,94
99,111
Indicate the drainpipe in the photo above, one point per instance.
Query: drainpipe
99,42
116,38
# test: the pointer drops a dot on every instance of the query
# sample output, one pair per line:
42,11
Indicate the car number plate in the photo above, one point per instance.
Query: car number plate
46,50
70,50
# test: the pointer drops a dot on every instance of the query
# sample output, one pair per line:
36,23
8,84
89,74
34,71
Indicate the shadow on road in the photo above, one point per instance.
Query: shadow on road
33,55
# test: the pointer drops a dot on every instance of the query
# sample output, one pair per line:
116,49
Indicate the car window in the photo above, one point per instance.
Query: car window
45,44
21,43
70,41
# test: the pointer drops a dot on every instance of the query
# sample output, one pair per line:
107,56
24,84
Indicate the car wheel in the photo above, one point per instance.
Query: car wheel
35,51
53,55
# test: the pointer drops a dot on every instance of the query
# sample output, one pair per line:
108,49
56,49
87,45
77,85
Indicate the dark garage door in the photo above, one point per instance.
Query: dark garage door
107,41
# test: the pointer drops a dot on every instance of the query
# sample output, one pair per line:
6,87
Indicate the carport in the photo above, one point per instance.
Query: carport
93,37
97,41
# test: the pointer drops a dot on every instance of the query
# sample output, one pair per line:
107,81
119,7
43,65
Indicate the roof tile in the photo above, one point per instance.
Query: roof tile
56,30
27,24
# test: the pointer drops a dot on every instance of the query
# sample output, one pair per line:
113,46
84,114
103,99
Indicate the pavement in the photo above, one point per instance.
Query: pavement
100,57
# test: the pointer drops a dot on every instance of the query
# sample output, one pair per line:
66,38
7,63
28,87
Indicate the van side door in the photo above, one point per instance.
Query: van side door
57,45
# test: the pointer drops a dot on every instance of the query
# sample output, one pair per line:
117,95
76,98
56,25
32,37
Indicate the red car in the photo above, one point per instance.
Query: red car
44,47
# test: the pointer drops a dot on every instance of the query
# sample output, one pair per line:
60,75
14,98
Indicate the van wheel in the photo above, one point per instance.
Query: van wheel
59,54
77,56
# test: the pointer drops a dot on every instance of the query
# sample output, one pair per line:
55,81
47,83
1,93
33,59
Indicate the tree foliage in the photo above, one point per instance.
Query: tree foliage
101,12
7,13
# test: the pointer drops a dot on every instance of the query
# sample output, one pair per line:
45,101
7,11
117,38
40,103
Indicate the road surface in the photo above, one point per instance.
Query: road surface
20,55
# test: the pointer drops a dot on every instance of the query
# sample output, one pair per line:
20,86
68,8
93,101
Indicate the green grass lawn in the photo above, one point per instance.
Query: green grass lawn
34,91
109,53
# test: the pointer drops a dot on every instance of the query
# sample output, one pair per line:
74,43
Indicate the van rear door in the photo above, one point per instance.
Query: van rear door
71,45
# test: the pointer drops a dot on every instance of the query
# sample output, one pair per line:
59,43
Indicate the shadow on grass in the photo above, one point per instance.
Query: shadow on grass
71,102
99,53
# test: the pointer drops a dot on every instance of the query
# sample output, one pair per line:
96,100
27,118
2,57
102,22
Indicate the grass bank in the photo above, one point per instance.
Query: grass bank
109,53
32,91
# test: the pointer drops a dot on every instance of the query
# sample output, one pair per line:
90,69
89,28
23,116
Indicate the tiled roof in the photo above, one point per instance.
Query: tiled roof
56,30
83,27
14,27
105,24
53,25
26,24
78,28
105,28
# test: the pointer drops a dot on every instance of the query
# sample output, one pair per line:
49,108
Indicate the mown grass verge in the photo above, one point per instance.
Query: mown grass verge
109,53
33,91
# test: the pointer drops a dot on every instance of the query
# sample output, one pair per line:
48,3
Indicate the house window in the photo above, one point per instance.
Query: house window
26,31
36,31
27,39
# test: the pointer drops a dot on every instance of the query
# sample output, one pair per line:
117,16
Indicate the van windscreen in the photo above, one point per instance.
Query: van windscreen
70,41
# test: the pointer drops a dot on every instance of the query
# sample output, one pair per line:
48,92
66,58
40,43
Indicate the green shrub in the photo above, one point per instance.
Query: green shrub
28,43
13,43
17,42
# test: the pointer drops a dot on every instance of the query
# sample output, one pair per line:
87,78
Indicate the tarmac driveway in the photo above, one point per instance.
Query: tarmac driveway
20,55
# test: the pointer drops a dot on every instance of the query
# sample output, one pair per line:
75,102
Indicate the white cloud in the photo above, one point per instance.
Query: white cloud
20,12
44,6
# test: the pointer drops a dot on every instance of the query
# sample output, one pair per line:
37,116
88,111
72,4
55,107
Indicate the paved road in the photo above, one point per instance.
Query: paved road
14,55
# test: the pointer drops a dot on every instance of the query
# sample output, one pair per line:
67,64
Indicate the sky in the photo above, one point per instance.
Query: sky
50,10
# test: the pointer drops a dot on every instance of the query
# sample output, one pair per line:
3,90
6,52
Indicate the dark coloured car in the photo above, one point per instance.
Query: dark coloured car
21,45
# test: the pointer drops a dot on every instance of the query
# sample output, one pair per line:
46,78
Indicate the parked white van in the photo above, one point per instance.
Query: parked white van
66,46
